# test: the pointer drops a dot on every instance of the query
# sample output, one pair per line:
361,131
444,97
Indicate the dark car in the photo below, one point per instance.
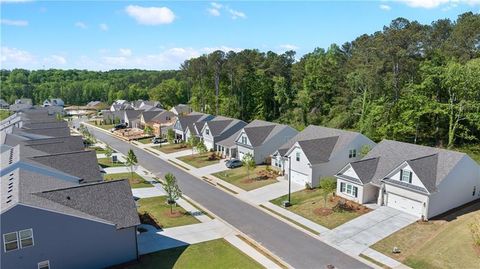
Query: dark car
120,126
158,140
233,163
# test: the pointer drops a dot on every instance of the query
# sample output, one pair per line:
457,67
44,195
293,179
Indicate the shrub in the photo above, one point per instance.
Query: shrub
212,156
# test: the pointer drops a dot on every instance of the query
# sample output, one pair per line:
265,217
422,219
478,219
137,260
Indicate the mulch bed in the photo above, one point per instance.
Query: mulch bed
146,218
341,204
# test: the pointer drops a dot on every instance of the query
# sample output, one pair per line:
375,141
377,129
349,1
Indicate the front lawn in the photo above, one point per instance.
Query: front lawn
258,177
445,242
211,254
171,148
146,140
5,114
136,182
107,162
103,126
158,210
310,204
98,150
200,159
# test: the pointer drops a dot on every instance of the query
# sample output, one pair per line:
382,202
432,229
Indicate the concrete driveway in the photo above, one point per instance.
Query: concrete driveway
358,234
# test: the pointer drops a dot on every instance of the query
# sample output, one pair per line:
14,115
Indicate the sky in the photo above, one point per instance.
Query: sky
157,35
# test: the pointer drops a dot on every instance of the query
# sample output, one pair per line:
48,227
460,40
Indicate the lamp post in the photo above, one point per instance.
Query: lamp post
289,201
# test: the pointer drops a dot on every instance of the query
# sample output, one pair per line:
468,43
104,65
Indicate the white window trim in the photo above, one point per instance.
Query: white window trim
5,242
43,263
410,178
351,190
20,239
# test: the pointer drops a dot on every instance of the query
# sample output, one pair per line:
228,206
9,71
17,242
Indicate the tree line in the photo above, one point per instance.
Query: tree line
409,82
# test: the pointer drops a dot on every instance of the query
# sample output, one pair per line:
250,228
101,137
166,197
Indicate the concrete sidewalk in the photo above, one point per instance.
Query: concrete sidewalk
269,192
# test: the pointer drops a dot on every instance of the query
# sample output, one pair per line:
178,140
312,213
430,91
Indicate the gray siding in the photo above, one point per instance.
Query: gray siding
66,241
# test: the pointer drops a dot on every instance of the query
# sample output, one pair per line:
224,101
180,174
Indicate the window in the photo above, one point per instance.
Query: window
10,241
297,156
349,189
474,190
44,265
405,176
207,131
26,238
244,140
352,153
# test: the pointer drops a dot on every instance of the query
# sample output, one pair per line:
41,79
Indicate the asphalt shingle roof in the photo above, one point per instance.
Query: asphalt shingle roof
318,150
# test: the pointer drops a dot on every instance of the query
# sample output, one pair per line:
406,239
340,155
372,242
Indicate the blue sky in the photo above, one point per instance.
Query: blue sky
103,35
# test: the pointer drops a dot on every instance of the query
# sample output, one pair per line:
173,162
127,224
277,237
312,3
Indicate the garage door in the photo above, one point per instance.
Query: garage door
405,204
208,144
299,178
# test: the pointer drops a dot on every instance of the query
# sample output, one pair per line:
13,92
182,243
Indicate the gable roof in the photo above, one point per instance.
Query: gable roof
187,121
365,169
149,115
259,131
318,150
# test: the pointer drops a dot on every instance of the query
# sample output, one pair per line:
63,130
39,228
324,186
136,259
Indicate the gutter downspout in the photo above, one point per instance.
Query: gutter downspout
136,243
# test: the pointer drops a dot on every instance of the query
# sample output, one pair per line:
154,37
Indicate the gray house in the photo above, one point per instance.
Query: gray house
261,139
422,181
184,125
56,210
218,129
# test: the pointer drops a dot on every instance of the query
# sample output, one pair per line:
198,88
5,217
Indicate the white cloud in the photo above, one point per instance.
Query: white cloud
236,14
81,25
14,56
14,22
103,27
385,7
436,3
216,5
14,1
54,60
125,52
214,12
150,15
289,47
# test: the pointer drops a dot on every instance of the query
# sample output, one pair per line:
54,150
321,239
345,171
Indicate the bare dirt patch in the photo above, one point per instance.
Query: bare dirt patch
322,211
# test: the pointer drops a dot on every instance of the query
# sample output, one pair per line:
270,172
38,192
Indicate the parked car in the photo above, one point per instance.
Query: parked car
233,163
118,127
158,140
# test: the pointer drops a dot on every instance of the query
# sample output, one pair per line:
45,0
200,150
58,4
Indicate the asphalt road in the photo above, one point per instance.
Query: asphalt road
295,247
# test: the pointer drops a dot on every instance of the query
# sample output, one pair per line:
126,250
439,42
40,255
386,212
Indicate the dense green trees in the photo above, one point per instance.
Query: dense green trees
409,82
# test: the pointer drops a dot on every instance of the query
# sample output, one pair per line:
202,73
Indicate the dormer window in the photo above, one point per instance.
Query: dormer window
207,131
244,140
352,153
406,176
297,156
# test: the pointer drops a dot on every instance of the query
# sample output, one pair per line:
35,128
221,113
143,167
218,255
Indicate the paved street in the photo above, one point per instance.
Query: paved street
295,247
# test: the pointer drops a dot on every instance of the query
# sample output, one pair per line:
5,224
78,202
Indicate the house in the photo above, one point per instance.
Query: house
184,124
131,118
157,120
120,105
423,181
21,104
181,109
317,152
219,129
227,148
53,195
53,102
94,103
262,138
147,105
113,117
4,104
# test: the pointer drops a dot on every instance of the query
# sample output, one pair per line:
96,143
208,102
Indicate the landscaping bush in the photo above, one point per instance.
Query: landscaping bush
212,157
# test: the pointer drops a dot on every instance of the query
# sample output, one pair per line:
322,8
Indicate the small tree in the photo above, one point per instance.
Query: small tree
148,130
170,136
249,163
364,150
200,147
108,152
328,185
172,190
59,116
131,161
193,142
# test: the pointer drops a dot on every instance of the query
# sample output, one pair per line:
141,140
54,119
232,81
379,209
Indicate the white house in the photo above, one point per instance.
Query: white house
423,181
181,109
318,152
22,103
184,124
53,102
218,129
262,138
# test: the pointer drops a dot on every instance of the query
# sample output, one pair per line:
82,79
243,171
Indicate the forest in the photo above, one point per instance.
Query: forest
408,82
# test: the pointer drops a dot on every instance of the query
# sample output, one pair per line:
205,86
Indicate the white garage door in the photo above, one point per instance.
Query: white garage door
405,204
299,178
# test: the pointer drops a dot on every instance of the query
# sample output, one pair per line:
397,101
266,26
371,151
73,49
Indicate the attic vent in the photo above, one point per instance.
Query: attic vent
10,190
11,174
8,201
68,197
9,197
10,184
10,179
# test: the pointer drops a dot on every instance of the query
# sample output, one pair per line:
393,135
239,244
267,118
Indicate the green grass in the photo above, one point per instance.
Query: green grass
107,162
305,202
445,242
136,182
206,255
103,126
146,140
160,211
374,261
5,114
238,177
171,148
199,160
98,150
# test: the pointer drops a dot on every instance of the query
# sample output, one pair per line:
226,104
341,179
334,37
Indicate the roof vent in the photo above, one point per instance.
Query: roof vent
68,197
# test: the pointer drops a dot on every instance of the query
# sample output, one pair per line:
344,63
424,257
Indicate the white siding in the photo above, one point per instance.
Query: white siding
421,198
457,188
358,199
415,180
301,168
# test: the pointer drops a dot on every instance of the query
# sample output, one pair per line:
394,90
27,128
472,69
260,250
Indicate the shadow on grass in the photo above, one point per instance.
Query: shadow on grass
453,214
164,259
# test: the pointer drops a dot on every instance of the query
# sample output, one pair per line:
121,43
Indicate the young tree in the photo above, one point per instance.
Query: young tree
328,185
131,161
108,152
170,136
172,190
200,147
193,141
148,130
249,163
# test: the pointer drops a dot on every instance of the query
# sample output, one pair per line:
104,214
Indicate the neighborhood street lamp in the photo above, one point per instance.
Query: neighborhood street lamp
289,201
